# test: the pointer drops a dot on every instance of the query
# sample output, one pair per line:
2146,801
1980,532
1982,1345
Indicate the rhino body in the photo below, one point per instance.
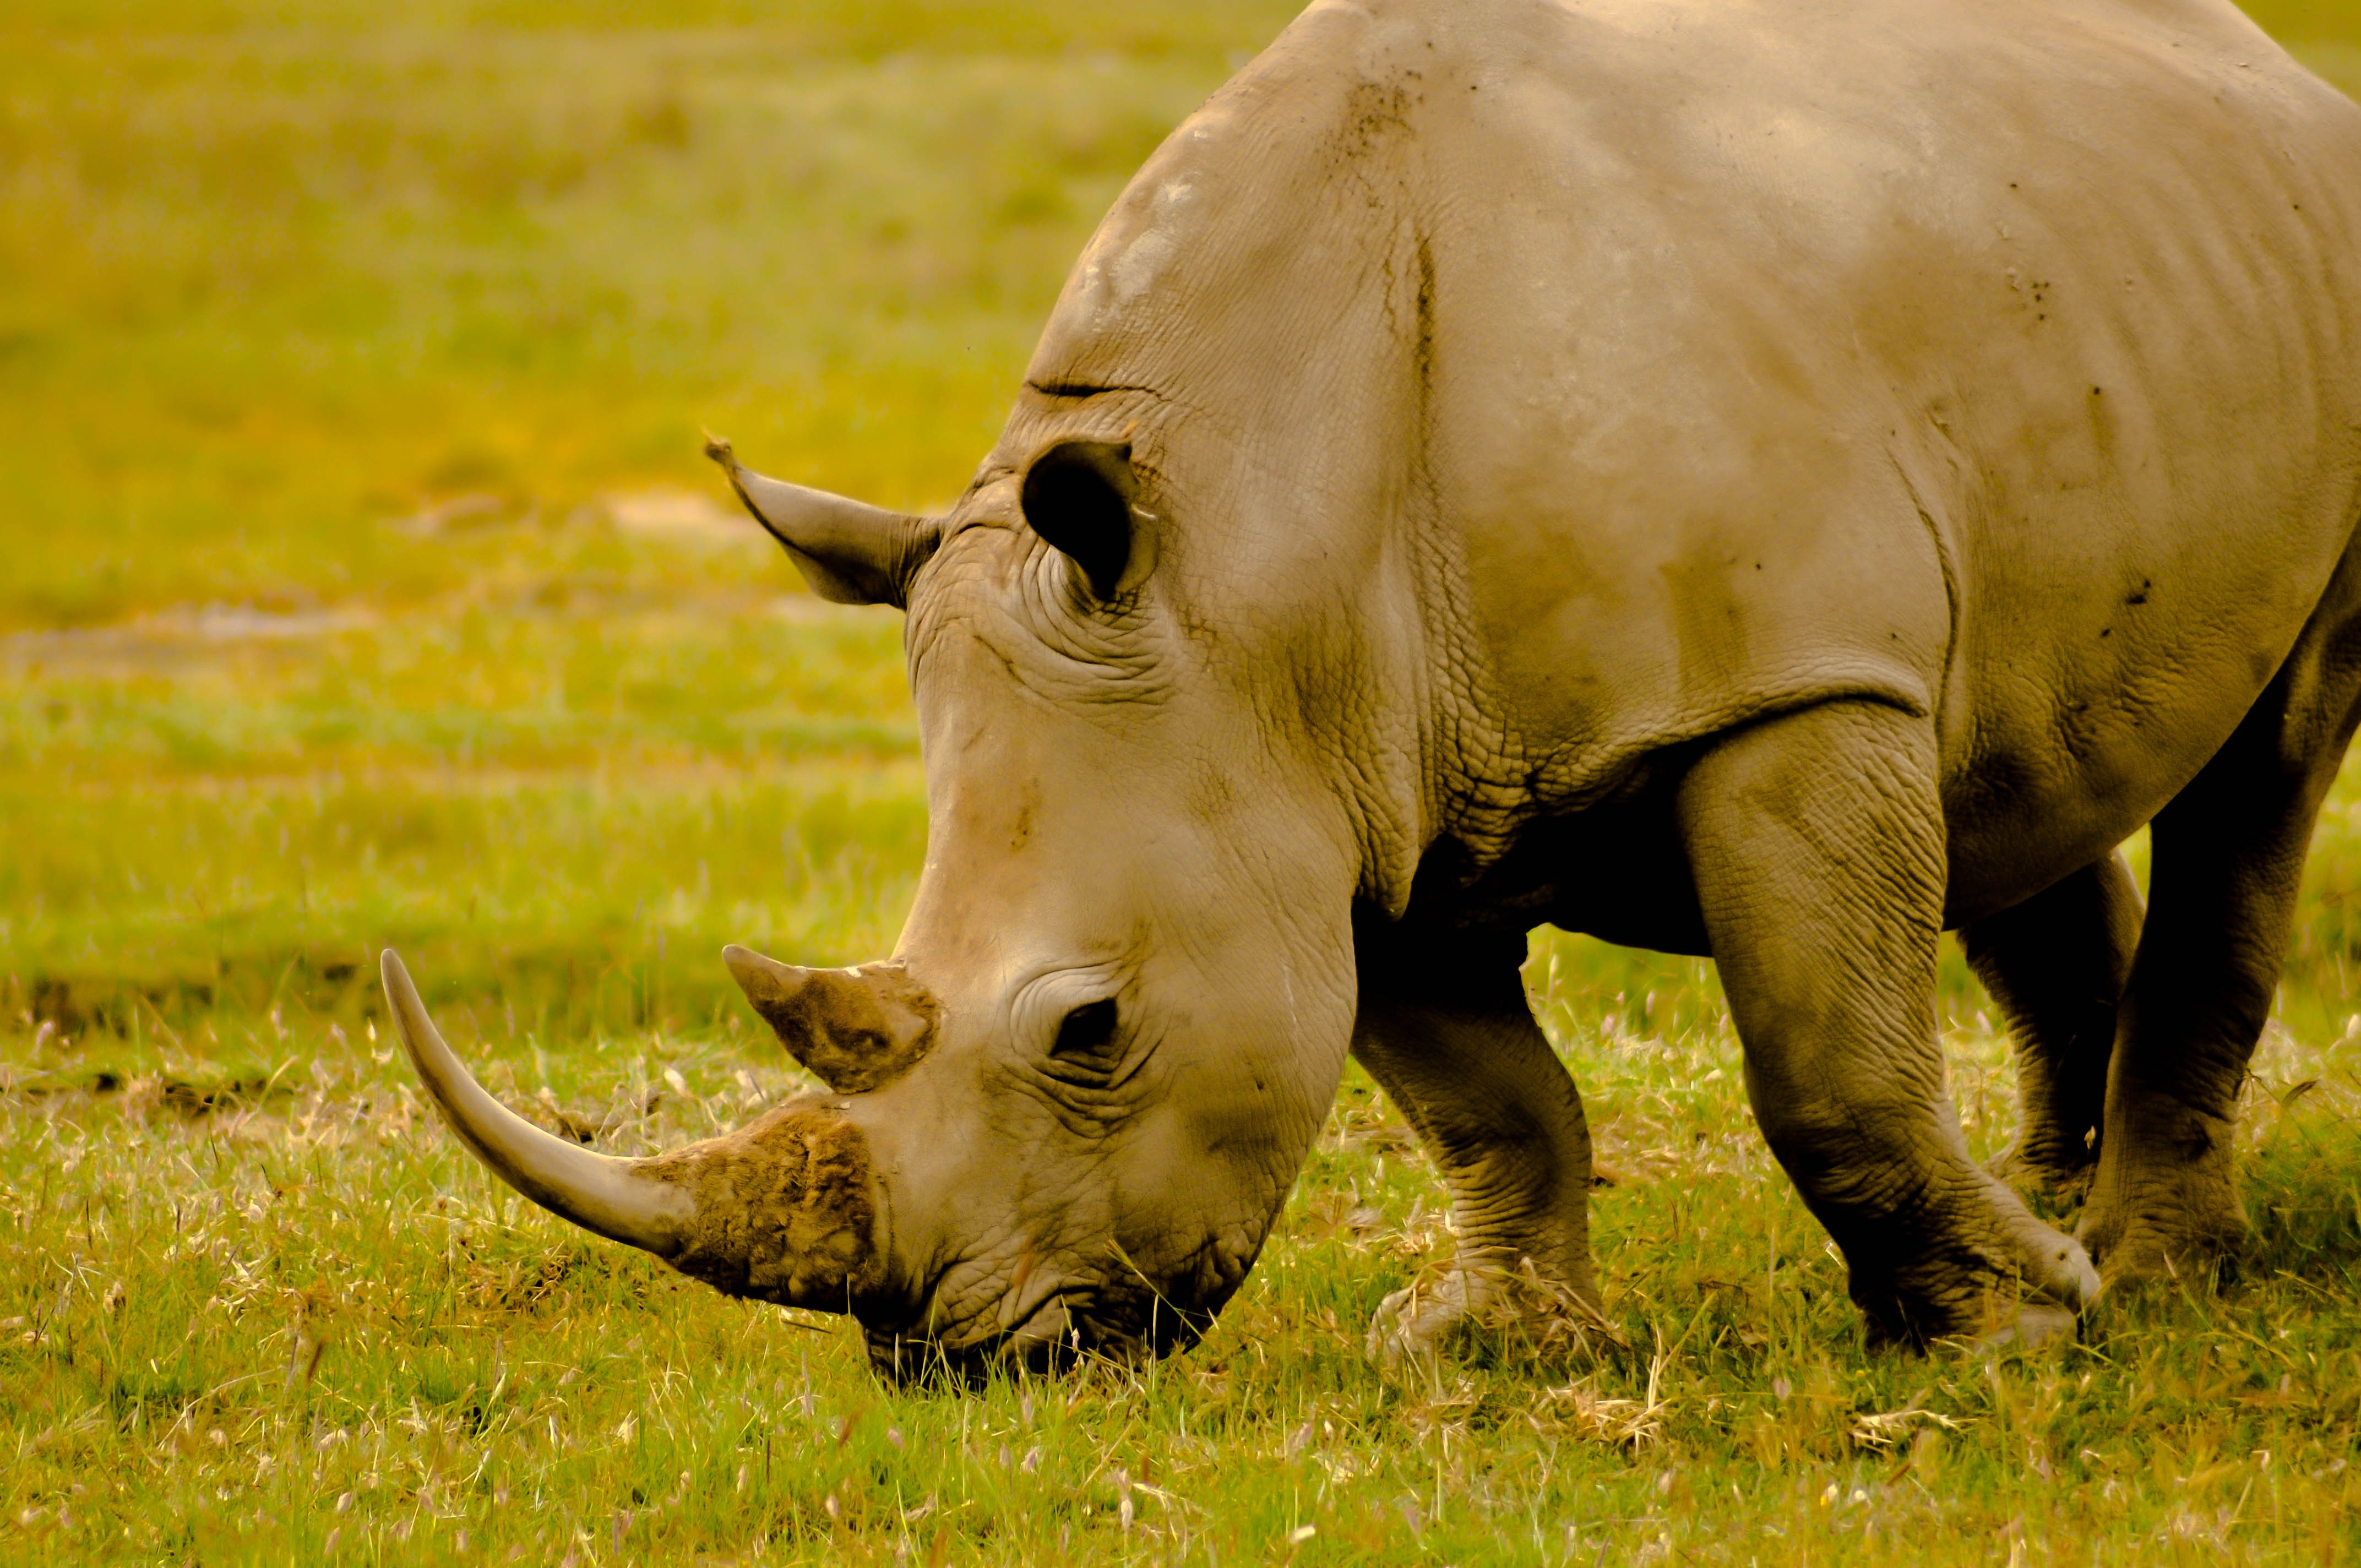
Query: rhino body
1745,477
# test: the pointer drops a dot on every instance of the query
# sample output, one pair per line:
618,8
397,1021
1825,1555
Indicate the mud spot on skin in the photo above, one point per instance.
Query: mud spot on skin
1376,114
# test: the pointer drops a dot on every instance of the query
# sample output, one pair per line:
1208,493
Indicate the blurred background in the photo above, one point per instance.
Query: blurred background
362,581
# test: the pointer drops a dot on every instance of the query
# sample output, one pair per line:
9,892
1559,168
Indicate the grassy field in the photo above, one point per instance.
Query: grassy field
363,586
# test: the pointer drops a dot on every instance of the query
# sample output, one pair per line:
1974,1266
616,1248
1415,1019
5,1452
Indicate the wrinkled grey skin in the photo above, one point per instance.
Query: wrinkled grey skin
1746,478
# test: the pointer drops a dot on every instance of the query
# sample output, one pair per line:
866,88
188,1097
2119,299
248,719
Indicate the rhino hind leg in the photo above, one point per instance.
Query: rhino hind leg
1445,1030
1816,843
2056,965
2227,862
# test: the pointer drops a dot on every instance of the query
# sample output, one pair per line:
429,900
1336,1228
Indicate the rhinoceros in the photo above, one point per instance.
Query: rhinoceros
1756,479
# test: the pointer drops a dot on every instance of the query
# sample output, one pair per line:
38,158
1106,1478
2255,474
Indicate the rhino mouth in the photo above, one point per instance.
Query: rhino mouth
1068,1325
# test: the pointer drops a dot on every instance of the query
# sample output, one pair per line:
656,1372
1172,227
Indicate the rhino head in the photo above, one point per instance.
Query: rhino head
1062,1116
1174,687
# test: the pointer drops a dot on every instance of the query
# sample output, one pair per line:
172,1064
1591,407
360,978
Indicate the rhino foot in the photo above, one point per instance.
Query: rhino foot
2164,1203
1521,1306
1995,1274
2176,1228
2033,1326
1412,1325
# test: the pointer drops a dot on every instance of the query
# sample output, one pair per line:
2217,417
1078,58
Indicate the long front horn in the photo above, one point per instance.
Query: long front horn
612,1197
784,1208
849,552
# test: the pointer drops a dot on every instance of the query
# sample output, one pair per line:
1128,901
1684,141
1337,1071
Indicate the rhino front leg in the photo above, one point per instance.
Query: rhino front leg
2057,965
1445,1030
1818,845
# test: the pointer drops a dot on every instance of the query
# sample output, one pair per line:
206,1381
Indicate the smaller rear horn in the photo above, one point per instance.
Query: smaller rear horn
854,1028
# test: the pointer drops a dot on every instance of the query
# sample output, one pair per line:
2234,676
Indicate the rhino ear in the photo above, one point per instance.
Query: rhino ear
849,552
1077,496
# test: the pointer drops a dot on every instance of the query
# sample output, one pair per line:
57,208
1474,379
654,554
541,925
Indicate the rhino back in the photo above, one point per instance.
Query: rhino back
1647,365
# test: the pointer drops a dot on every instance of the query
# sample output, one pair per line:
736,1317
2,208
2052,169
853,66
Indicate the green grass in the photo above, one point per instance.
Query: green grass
363,586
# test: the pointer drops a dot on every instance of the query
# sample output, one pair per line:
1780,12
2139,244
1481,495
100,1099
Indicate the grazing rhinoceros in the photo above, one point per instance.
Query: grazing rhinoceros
1750,478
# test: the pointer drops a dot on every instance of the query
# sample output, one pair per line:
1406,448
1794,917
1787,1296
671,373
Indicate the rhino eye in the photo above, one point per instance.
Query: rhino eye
1086,1034
1077,496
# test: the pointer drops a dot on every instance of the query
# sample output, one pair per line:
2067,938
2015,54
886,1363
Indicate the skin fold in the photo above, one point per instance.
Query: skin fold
1745,477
